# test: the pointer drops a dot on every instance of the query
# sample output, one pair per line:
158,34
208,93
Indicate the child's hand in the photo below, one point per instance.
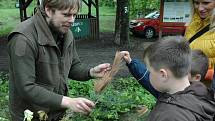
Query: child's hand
126,56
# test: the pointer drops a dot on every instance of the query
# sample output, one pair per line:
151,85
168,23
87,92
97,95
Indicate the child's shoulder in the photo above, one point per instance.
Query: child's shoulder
169,110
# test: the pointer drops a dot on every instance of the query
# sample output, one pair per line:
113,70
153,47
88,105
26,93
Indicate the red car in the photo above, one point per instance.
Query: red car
149,26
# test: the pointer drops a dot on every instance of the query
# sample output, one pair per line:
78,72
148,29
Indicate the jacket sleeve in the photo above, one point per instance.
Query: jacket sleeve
141,74
22,56
78,71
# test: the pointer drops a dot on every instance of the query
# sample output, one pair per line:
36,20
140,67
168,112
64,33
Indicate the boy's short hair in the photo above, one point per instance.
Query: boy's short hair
172,52
61,4
199,63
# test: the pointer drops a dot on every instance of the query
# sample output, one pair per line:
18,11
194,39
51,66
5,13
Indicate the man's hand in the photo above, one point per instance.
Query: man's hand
100,70
126,56
81,105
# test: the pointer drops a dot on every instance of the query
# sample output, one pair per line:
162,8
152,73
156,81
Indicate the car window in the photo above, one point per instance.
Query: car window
152,15
156,16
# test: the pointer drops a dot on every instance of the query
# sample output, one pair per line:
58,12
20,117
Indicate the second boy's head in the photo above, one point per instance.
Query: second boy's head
169,62
199,66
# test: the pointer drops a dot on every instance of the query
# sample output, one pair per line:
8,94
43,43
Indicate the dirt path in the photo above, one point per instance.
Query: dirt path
91,52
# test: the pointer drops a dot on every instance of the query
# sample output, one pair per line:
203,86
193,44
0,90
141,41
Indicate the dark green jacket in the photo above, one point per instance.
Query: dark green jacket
195,103
38,70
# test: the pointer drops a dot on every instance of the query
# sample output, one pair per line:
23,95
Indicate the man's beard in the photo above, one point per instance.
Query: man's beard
54,28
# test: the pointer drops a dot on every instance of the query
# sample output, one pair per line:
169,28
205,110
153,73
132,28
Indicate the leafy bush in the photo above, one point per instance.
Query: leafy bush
143,6
135,6
119,100
4,112
120,97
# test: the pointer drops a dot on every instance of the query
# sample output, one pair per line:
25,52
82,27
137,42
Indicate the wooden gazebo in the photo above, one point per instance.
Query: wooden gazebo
93,21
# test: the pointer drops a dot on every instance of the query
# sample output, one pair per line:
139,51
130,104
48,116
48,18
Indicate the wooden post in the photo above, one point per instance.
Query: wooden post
20,10
89,8
161,18
23,4
122,23
97,19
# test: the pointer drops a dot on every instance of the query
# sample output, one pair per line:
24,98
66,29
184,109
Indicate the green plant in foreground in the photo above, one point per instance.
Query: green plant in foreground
119,100
4,111
122,96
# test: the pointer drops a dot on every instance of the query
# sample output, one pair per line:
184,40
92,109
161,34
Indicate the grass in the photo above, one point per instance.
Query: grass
7,3
107,16
8,20
107,23
103,11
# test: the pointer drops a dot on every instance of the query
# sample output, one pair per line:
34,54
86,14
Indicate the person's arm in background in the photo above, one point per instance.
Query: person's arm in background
140,72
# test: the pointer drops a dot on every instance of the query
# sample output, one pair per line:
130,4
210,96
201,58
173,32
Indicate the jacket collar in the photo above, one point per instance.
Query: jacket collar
43,31
196,88
196,25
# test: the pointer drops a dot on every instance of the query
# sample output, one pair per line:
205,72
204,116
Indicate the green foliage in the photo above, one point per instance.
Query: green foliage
110,3
121,97
107,23
8,20
143,6
117,101
4,112
7,3
10,17
136,6
3,79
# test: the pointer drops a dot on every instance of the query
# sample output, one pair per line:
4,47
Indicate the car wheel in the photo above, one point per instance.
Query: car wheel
149,33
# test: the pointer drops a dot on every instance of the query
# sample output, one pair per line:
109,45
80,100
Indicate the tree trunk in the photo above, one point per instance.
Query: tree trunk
122,23
117,24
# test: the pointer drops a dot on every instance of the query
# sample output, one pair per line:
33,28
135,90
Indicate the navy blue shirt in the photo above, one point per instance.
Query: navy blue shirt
141,73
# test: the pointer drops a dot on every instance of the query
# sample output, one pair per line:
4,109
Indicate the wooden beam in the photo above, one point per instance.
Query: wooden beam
26,4
23,4
85,2
161,18
20,10
94,3
89,8
97,18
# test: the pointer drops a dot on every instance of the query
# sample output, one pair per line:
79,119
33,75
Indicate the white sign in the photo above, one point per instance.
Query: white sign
176,11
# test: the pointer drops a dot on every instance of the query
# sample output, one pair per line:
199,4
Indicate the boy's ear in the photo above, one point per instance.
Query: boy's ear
196,77
163,74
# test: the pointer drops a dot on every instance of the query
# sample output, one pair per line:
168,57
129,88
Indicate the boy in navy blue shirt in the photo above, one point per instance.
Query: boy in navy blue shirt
169,64
199,67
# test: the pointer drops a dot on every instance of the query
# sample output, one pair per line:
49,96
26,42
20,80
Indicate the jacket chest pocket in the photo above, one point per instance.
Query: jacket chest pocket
47,65
48,55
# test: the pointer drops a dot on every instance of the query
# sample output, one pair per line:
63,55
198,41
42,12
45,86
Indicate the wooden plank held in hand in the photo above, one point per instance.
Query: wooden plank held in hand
103,82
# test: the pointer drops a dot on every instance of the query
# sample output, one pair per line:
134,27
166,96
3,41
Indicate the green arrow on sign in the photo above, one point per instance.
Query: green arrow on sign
81,28
78,29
